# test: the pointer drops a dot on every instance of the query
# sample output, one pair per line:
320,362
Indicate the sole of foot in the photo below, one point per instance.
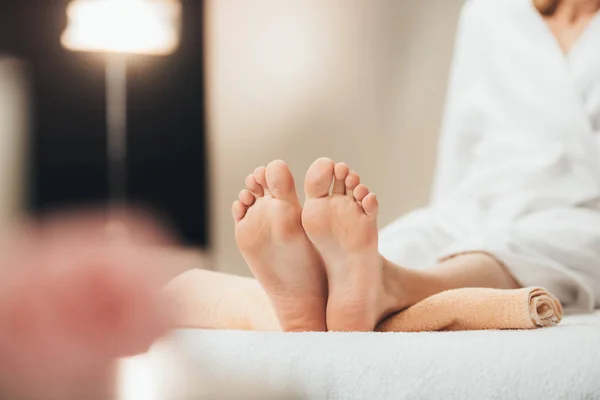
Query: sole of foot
270,236
340,219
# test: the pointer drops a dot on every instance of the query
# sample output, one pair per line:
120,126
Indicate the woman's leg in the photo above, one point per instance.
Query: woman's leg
213,300
406,287
290,290
363,286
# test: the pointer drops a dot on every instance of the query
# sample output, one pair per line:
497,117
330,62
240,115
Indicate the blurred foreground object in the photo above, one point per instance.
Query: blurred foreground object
121,27
170,371
74,298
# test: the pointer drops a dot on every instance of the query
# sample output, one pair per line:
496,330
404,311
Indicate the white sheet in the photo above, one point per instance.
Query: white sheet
553,363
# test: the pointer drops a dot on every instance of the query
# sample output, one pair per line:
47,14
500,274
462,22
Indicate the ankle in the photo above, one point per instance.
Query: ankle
396,294
404,287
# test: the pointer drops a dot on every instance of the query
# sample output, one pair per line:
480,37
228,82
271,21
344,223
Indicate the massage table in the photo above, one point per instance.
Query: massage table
561,362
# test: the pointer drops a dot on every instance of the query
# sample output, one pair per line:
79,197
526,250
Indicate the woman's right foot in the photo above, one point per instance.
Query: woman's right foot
342,224
270,236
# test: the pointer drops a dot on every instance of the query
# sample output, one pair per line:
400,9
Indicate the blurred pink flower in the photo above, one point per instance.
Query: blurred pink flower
74,297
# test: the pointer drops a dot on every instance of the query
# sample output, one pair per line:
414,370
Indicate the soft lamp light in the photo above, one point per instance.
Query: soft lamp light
123,26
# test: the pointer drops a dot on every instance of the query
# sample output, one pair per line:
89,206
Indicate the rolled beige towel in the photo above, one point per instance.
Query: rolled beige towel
478,309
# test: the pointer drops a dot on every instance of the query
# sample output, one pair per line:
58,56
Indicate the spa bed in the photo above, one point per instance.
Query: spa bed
562,362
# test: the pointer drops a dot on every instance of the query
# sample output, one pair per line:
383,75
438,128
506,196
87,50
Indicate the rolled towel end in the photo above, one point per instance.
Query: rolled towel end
544,309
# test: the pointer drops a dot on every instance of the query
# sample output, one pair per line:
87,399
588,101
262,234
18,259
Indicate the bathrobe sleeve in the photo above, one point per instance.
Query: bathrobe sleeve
523,191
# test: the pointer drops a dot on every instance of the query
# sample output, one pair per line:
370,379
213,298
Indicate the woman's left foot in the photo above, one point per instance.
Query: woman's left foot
342,224
269,234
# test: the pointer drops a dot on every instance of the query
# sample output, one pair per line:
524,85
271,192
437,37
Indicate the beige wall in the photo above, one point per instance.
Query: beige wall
356,80
14,120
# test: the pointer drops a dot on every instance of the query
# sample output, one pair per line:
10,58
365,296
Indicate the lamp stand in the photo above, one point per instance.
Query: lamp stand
116,124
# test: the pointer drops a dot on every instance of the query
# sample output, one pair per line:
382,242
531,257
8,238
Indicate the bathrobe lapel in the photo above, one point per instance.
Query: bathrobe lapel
584,64
531,78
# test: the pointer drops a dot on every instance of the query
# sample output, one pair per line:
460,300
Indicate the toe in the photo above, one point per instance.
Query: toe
370,204
340,172
238,210
360,192
318,178
280,181
253,186
246,198
261,178
352,181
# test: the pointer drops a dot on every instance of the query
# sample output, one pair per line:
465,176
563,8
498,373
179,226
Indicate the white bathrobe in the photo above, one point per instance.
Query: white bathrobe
519,161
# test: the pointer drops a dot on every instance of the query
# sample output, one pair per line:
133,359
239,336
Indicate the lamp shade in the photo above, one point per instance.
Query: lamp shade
123,26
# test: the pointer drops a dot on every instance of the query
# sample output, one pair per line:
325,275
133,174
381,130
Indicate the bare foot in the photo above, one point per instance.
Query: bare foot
343,227
270,236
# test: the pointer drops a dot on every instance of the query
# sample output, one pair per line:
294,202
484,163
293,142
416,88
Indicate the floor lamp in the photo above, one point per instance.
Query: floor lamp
117,28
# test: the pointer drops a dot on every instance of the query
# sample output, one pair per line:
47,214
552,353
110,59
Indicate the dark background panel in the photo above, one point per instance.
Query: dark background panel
166,123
